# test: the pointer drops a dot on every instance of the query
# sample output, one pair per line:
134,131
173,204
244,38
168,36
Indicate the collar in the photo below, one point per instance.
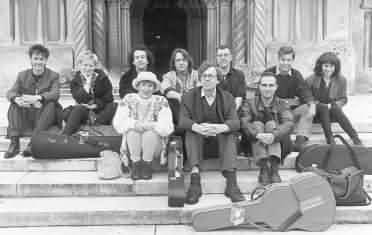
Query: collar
203,94
277,71
273,105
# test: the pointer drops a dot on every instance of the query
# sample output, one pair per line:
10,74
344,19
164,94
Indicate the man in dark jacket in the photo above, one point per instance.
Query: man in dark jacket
295,91
33,100
208,111
266,120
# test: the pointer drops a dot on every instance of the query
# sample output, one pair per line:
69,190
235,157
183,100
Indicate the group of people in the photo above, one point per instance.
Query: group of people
196,104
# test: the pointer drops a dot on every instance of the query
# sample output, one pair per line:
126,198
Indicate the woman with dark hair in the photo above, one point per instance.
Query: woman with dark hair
328,86
140,59
180,79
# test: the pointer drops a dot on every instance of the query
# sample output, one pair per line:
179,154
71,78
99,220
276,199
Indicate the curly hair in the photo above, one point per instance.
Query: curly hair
206,65
185,54
38,49
327,58
87,55
285,50
149,55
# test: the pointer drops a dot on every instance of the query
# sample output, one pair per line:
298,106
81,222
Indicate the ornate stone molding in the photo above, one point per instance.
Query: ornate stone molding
239,31
259,34
80,26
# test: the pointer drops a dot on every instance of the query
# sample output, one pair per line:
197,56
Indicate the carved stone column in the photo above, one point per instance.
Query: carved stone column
239,31
114,35
125,29
99,30
225,22
259,34
81,34
211,29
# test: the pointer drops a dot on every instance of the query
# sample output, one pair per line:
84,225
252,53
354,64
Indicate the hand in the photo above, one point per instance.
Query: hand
138,126
31,99
90,106
293,101
148,125
201,129
174,95
21,102
265,138
218,128
312,109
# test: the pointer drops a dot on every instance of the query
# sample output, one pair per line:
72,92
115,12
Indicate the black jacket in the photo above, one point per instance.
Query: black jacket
101,92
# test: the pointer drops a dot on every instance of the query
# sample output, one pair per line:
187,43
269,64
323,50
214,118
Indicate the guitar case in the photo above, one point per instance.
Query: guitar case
339,159
306,202
176,178
48,145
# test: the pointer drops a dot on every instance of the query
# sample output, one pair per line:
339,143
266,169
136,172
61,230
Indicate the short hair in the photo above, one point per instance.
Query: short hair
149,55
87,55
38,49
327,58
185,54
267,74
223,47
206,65
285,50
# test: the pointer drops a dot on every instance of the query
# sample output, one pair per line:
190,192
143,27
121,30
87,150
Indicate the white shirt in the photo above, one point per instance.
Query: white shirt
210,99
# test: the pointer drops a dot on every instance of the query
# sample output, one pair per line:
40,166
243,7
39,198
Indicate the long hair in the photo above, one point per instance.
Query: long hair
149,55
186,55
327,58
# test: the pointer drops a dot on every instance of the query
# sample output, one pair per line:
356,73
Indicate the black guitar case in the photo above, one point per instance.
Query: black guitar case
315,154
176,178
47,145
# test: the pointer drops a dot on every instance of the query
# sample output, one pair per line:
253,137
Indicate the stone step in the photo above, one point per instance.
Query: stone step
87,184
140,210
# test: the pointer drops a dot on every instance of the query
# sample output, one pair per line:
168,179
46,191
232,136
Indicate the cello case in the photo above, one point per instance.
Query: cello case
306,203
176,178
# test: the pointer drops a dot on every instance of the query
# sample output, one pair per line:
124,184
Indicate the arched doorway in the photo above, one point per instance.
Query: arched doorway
163,25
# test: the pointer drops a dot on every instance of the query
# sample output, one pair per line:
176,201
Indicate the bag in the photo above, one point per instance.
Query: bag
46,145
305,202
109,165
176,179
346,183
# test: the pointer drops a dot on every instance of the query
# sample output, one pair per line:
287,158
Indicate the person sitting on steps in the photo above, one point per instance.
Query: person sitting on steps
265,120
145,120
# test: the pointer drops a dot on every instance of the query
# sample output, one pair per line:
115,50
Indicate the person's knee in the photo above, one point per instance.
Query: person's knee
260,126
270,126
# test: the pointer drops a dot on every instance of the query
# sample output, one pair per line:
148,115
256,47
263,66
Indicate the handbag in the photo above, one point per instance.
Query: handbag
346,183
109,165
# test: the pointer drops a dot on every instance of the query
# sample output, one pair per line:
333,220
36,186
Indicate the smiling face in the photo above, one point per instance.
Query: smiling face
267,87
87,67
209,79
328,69
140,60
224,57
180,62
146,89
38,63
285,62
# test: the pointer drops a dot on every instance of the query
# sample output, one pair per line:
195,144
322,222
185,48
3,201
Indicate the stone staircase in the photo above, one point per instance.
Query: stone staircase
44,193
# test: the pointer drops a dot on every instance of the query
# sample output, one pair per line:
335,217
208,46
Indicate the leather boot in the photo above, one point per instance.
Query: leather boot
356,140
300,143
232,189
13,148
27,151
264,175
195,191
136,170
274,171
146,171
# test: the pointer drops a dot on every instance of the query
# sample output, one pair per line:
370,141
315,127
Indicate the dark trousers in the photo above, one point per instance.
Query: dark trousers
226,149
335,113
79,115
22,120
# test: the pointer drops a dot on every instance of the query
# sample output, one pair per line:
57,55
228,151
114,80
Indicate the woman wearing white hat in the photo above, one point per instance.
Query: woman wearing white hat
145,120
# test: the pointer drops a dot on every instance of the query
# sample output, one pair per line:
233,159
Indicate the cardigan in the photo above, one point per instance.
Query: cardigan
253,110
47,86
173,83
101,90
191,109
337,89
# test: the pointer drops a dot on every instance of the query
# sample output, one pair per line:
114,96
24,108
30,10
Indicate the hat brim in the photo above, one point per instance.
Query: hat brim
137,81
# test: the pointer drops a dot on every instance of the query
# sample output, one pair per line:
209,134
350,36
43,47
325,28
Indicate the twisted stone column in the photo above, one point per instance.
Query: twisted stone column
80,35
238,31
259,34
99,30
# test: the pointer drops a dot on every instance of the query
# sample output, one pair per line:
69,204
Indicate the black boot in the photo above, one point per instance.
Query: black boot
195,191
27,152
300,143
274,170
264,175
13,148
136,170
146,171
232,190
356,140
